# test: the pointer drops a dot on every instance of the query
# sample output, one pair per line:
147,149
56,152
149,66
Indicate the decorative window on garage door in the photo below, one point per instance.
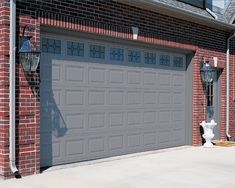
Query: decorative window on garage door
149,58
97,51
165,60
178,61
117,54
75,48
51,46
134,56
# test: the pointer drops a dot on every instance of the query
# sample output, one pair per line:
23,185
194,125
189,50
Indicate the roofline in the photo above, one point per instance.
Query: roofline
232,18
151,4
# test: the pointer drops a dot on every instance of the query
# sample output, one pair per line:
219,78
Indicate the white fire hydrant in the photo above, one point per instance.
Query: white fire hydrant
208,132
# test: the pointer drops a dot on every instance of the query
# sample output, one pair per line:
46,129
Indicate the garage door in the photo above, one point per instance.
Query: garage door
101,99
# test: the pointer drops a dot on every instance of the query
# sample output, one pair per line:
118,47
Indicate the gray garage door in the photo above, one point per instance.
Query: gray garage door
101,99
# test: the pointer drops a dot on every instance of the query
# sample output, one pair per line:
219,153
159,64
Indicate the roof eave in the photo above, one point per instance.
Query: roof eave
179,13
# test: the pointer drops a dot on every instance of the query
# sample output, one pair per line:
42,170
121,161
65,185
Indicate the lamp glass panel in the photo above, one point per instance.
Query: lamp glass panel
34,60
24,60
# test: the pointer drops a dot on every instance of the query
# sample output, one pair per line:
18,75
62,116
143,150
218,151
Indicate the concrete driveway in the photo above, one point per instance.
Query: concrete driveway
182,167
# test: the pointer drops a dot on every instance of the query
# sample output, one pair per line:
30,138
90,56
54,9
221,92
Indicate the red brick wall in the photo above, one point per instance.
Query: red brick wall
27,105
4,86
232,90
103,17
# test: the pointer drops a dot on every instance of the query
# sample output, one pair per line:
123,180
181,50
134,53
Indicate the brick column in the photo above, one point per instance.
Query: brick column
4,87
27,101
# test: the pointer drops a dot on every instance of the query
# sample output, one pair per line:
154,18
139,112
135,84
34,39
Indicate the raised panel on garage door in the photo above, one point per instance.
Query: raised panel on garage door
101,99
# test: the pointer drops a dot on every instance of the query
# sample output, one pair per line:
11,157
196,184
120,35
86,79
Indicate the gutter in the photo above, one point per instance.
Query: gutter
227,87
12,51
183,12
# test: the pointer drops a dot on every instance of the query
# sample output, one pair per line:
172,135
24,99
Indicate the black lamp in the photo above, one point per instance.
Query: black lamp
207,72
28,57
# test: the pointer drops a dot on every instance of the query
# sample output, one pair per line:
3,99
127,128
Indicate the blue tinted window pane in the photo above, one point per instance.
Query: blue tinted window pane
219,6
51,46
134,56
197,3
149,58
97,51
117,54
164,60
178,61
75,48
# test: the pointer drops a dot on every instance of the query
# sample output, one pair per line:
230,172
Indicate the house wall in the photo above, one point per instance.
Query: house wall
232,90
107,18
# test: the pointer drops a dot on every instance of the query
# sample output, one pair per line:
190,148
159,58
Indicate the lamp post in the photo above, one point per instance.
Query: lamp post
207,73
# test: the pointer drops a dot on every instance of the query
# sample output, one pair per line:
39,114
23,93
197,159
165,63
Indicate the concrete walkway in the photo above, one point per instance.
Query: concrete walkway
184,167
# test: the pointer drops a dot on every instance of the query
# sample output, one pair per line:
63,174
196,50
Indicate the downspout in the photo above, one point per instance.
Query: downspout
227,87
12,147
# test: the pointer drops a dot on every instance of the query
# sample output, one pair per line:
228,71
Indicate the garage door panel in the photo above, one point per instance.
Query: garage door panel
94,107
116,119
134,118
134,98
74,74
178,125
75,121
134,78
150,139
149,79
116,97
178,81
178,98
96,145
75,148
96,97
116,77
178,137
150,117
164,138
164,80
74,97
56,73
97,75
164,98
150,98
134,140
96,120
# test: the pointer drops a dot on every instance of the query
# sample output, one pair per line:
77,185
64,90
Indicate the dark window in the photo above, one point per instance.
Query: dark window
209,101
134,56
51,46
97,51
149,58
165,60
117,54
199,3
75,49
209,94
178,61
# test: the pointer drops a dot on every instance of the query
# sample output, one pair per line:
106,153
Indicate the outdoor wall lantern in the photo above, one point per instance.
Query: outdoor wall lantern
28,56
207,72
